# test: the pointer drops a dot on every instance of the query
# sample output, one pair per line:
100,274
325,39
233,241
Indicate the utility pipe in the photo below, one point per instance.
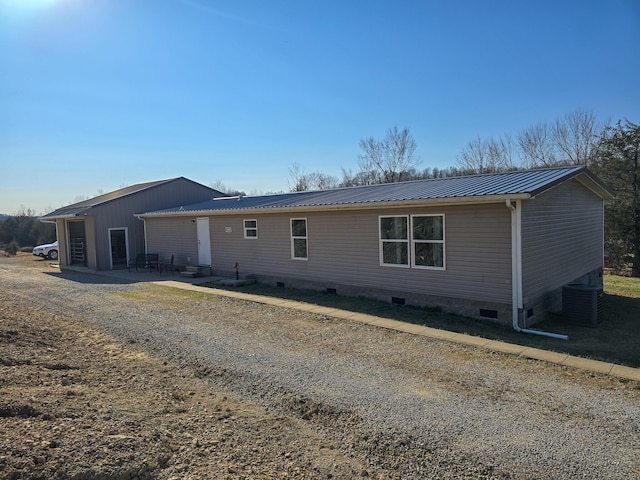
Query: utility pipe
516,272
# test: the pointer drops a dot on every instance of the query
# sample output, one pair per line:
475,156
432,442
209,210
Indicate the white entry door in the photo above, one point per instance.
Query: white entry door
204,242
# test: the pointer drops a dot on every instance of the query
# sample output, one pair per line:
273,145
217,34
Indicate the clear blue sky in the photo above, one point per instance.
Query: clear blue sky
98,94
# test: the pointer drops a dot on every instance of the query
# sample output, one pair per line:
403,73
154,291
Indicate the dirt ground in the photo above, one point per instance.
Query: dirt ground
76,404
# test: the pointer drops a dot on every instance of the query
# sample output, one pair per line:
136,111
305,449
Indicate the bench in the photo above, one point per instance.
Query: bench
145,260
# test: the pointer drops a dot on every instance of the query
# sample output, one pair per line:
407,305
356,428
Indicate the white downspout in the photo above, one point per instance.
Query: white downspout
516,272
144,229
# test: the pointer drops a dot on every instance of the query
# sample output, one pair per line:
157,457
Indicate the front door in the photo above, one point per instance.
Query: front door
204,241
118,246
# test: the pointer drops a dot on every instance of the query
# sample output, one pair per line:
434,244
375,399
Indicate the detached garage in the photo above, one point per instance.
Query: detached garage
103,233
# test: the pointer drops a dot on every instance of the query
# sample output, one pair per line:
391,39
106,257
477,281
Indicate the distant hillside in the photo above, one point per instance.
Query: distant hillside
3,216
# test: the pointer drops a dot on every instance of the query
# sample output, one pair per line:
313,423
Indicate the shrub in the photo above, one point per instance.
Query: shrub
12,248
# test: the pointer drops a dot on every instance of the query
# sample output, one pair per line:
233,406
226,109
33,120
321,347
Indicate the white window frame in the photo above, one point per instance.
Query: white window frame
411,243
126,244
247,229
299,237
391,240
414,242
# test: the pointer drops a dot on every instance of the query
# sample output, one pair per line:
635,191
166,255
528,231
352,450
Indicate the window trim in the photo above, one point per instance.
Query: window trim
411,243
439,242
382,241
246,229
298,237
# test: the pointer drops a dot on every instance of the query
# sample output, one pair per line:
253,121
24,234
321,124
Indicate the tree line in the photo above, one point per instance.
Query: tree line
24,230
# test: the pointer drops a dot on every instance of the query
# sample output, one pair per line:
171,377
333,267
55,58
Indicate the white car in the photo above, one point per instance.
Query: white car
50,250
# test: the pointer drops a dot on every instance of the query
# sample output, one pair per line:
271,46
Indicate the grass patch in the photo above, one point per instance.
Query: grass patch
616,338
155,293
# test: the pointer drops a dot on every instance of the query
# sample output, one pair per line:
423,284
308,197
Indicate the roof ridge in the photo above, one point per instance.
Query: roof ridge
406,182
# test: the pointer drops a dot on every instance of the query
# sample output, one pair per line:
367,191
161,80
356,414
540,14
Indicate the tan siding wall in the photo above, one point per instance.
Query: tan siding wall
62,235
562,235
90,248
175,236
344,249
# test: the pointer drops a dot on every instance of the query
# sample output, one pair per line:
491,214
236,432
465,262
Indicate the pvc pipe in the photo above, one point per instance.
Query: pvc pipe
546,334
516,272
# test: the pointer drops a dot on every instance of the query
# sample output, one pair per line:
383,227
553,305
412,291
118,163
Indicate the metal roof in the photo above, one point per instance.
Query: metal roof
518,184
84,206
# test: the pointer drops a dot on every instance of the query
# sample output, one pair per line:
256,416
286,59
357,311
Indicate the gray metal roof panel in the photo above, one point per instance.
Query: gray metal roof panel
85,205
529,182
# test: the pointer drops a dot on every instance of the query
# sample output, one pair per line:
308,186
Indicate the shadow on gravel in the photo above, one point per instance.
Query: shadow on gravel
92,279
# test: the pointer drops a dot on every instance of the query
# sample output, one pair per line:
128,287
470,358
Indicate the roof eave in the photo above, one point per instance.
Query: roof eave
429,202
586,178
592,182
53,218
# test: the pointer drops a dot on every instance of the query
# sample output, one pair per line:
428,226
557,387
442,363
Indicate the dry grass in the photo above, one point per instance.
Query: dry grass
615,339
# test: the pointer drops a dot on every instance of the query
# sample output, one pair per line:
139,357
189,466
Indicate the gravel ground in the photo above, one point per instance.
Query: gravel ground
385,404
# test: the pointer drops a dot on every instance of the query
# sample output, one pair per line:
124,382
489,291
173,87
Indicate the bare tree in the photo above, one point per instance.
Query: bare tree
222,188
537,148
388,160
363,177
576,136
473,158
500,154
487,156
297,180
302,182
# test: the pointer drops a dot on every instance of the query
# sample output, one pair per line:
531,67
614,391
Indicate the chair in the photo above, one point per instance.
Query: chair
140,262
145,260
153,262
168,266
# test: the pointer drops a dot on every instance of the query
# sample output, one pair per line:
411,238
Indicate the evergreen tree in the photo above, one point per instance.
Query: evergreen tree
618,165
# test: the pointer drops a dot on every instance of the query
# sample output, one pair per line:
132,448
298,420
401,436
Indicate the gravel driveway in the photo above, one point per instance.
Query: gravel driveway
409,407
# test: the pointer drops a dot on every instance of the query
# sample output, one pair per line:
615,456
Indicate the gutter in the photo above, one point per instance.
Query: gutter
374,205
516,272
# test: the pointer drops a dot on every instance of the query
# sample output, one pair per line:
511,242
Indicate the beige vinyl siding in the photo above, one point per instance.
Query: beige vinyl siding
562,234
343,248
173,236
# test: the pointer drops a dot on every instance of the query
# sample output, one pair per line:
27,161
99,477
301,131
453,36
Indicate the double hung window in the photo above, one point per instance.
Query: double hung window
412,241
394,241
299,239
427,235
251,229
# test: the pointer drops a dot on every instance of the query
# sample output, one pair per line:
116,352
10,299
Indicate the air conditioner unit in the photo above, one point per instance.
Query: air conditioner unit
582,304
